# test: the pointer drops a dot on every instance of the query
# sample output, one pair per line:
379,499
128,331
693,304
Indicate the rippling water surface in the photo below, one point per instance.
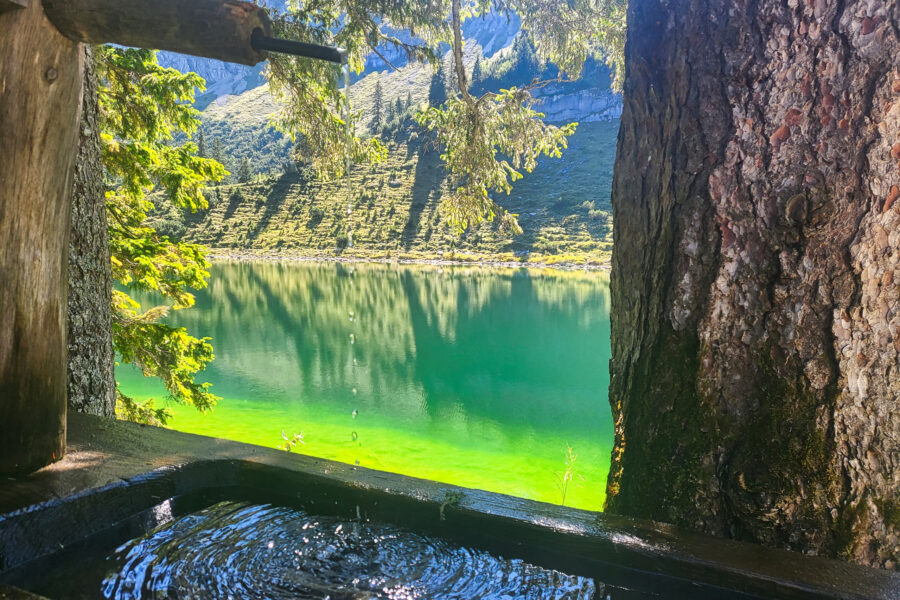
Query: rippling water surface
235,550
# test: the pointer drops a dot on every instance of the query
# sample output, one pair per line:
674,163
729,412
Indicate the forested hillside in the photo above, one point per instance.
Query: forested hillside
273,203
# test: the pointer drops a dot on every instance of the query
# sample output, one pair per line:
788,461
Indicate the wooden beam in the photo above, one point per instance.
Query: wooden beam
40,102
211,28
6,5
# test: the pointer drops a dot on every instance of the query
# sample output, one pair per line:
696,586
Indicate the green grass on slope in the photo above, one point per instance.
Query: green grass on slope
394,210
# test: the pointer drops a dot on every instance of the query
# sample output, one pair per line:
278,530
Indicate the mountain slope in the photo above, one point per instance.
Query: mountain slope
394,210
394,206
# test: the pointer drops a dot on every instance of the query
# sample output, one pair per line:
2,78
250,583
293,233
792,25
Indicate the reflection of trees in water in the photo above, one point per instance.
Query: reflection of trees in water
536,352
508,345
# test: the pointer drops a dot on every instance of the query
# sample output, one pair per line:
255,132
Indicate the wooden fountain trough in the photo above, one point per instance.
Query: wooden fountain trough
120,479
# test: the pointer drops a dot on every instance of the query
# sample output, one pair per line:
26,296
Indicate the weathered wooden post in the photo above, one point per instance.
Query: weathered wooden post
40,100
211,28
41,62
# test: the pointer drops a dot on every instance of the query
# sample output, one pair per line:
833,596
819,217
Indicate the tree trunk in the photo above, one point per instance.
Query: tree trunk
756,285
40,100
92,386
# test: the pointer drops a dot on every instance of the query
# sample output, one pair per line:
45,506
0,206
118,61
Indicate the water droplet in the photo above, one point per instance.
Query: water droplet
355,436
352,339
354,413
271,545
353,390
352,315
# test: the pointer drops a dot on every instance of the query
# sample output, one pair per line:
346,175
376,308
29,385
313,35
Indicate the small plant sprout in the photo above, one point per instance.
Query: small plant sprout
290,442
451,500
568,475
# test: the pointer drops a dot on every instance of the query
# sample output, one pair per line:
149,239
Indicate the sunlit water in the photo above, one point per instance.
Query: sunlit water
233,550
478,377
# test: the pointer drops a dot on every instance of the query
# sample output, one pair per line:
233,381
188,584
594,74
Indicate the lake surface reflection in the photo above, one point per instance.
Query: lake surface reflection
478,377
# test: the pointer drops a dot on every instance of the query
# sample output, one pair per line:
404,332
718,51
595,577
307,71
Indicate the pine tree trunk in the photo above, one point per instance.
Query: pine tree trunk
756,273
91,381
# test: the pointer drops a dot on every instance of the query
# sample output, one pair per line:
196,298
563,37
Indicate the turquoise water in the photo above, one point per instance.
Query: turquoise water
484,378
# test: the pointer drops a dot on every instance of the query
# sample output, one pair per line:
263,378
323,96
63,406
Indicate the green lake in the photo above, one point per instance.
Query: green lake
474,376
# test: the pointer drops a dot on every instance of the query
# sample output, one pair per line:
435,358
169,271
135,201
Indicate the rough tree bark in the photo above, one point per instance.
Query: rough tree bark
91,384
755,312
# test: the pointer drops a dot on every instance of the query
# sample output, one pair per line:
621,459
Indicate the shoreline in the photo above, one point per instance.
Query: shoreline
221,255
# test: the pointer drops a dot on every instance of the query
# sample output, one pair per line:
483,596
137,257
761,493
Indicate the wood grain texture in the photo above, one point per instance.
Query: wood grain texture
218,29
40,100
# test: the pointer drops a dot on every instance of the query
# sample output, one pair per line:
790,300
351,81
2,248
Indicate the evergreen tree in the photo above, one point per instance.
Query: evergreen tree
142,106
477,75
525,62
398,109
389,117
377,104
218,150
201,144
451,83
409,100
245,170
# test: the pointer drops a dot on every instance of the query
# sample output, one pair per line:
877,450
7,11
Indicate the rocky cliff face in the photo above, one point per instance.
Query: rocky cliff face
585,106
222,79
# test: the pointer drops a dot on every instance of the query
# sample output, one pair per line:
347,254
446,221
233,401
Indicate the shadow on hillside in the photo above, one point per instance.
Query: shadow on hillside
426,183
234,200
274,201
